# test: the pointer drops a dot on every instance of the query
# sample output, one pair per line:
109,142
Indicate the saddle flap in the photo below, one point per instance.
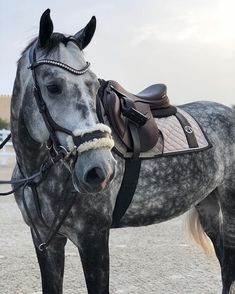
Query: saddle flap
117,121
148,132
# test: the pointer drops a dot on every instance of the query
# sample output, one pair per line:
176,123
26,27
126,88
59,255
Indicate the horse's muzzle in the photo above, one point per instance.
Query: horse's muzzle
94,170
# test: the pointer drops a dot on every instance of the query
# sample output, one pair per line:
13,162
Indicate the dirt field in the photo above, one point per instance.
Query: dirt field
156,259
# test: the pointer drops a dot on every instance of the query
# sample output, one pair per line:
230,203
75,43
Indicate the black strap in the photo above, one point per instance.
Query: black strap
62,212
37,204
12,191
5,141
40,175
130,178
127,189
55,228
188,130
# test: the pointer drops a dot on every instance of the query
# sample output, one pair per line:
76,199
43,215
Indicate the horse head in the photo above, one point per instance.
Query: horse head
60,104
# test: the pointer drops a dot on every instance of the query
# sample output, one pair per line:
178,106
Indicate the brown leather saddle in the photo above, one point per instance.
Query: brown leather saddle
132,116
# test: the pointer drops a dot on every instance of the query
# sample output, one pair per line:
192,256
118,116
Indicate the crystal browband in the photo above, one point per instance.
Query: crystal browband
61,65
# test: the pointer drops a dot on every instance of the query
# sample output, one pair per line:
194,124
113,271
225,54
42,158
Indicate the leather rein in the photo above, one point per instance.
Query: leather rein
57,153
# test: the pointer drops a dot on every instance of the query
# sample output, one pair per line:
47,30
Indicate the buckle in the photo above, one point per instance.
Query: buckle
131,113
42,247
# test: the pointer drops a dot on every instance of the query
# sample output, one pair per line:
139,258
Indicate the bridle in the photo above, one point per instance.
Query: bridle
51,125
80,141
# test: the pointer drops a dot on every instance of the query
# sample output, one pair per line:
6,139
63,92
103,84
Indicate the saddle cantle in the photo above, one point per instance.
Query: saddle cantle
124,109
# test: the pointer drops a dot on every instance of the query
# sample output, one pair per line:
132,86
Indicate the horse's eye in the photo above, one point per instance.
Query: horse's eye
54,89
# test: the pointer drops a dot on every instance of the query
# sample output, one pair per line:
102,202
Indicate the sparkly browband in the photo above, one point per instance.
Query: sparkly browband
61,65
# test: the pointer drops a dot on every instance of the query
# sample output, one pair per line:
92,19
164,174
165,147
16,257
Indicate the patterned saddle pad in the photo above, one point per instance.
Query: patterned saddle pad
172,140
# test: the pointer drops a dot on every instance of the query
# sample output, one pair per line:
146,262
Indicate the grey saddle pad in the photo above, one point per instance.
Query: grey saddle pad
172,140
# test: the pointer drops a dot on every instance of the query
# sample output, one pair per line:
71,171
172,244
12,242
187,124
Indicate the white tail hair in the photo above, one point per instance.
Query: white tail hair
197,233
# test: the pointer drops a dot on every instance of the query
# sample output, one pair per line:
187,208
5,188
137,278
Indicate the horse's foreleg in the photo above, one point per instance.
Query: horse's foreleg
94,252
51,262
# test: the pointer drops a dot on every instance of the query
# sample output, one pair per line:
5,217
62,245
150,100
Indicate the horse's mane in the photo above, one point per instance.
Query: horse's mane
54,41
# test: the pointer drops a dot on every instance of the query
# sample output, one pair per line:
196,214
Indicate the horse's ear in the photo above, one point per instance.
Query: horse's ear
46,29
85,35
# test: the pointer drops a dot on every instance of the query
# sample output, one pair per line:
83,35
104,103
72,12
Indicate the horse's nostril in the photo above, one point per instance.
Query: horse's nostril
95,176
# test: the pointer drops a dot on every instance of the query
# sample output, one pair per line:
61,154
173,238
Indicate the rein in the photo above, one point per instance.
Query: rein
5,141
29,180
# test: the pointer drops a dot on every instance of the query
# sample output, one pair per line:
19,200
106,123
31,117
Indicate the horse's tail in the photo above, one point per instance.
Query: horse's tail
197,232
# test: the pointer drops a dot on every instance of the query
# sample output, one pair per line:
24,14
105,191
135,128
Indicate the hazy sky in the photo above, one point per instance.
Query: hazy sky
187,44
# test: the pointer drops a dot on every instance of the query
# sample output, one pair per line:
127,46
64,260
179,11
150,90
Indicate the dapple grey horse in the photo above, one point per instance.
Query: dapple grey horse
167,186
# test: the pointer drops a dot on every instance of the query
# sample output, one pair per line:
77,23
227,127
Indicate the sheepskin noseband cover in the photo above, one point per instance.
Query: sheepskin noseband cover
96,137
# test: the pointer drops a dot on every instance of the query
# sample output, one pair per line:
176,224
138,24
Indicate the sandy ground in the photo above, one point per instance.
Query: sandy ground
149,260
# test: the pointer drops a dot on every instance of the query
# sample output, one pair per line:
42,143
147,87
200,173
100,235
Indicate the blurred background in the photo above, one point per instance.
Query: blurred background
189,46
